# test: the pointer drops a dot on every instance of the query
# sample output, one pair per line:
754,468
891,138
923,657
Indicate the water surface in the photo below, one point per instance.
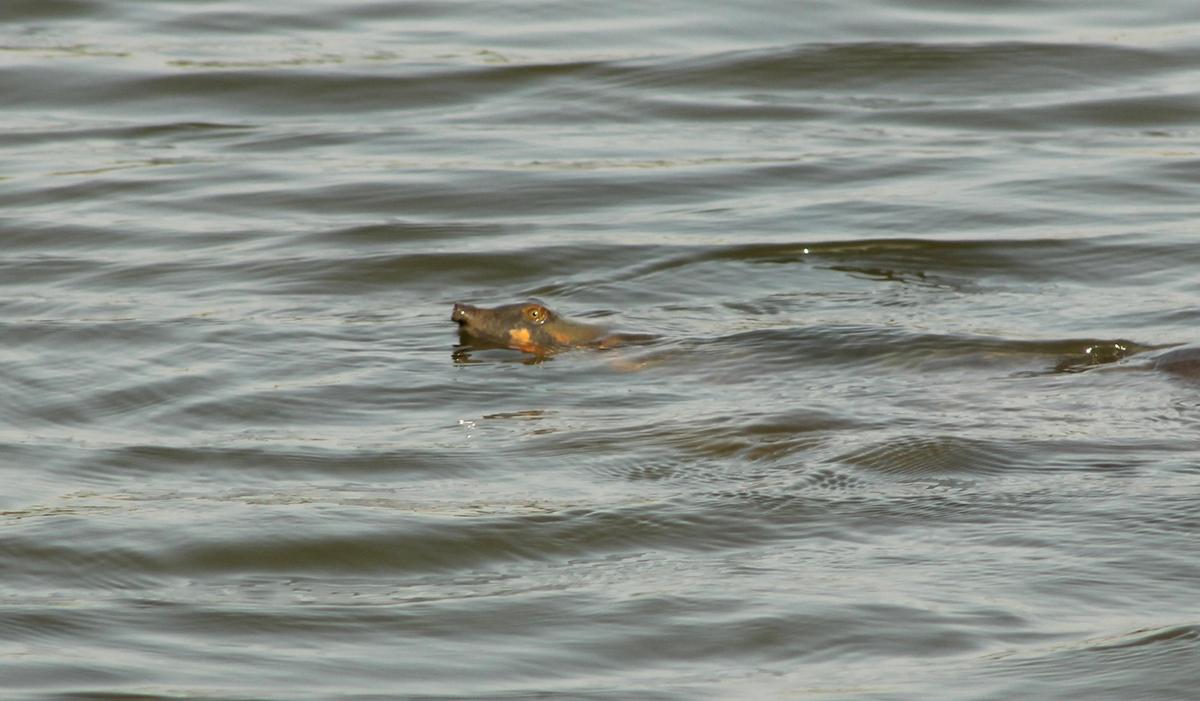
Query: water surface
903,436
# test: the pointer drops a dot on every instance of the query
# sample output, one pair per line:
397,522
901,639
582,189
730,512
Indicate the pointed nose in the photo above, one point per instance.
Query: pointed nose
462,312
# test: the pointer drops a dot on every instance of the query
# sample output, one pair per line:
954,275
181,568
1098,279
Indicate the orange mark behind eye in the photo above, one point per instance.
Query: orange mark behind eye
521,340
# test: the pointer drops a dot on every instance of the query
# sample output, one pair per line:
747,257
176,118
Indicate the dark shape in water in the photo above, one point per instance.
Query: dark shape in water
1096,354
1183,362
532,327
1180,361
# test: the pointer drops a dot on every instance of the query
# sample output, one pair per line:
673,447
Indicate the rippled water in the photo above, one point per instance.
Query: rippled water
905,434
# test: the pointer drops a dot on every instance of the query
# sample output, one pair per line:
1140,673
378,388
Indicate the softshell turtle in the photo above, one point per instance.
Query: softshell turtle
1184,362
533,327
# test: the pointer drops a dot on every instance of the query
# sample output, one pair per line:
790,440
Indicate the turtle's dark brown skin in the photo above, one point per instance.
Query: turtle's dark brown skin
532,327
1184,362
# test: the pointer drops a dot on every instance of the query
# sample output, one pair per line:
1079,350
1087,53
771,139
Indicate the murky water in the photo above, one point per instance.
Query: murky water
903,435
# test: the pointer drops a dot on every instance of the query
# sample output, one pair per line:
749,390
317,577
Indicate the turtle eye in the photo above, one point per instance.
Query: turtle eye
536,314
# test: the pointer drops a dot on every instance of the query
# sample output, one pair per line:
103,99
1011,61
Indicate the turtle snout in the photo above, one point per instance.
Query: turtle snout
461,313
